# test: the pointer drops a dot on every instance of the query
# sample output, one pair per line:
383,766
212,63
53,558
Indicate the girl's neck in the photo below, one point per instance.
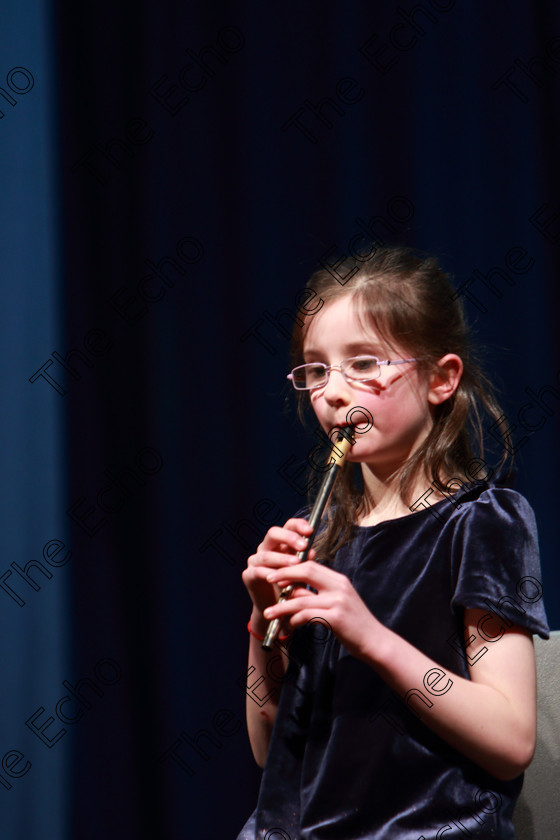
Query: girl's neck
382,499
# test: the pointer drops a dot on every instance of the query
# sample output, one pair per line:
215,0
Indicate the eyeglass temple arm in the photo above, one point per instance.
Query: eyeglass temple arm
396,361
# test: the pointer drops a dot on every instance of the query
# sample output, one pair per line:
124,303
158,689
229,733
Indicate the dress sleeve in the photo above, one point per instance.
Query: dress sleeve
496,560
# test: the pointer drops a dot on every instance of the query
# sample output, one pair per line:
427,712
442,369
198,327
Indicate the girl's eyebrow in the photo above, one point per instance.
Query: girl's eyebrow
353,348
356,346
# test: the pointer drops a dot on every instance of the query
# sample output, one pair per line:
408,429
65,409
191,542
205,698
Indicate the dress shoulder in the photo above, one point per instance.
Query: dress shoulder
495,556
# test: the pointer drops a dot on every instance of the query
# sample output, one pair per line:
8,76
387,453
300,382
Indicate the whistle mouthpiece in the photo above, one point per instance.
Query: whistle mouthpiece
345,431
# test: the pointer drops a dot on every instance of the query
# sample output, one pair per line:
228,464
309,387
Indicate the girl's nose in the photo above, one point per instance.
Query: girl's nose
337,388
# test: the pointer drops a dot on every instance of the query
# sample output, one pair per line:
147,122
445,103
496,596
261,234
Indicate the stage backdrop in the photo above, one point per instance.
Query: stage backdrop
171,178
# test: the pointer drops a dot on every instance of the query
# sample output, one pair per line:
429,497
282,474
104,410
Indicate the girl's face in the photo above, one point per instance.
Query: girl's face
400,401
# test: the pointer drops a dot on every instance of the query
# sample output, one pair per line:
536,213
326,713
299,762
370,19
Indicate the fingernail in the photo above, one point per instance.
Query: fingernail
301,543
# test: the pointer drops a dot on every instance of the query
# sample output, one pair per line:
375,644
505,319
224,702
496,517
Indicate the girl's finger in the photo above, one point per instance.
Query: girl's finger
273,558
290,606
285,539
310,572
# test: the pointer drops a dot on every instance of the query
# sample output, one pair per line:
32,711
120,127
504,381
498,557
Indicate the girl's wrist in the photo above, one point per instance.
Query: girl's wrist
377,649
258,626
258,622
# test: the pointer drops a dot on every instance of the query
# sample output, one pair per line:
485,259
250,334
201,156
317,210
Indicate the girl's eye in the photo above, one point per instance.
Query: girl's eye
361,366
315,373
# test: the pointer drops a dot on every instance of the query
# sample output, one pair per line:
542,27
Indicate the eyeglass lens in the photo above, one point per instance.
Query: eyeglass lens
359,368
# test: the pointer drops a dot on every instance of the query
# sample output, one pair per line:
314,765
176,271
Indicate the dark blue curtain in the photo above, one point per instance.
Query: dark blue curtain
36,567
171,181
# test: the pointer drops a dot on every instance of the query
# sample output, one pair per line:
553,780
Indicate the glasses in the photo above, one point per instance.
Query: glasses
355,369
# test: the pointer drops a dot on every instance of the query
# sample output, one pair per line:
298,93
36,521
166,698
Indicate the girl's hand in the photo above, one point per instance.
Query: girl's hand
278,549
336,601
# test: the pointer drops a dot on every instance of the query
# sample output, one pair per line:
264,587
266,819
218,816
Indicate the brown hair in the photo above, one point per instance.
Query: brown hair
409,301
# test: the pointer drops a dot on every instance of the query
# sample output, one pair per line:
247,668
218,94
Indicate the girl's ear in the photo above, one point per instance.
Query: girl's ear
445,379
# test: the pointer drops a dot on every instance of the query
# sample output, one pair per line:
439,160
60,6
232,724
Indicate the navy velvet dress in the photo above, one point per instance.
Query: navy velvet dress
348,758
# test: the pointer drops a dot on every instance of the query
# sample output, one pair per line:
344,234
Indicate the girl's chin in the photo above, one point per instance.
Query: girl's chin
367,457
376,460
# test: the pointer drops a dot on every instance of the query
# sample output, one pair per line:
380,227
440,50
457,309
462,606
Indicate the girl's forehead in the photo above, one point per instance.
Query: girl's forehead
334,315
338,323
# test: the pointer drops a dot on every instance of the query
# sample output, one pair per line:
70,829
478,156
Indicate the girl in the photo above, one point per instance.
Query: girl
411,715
